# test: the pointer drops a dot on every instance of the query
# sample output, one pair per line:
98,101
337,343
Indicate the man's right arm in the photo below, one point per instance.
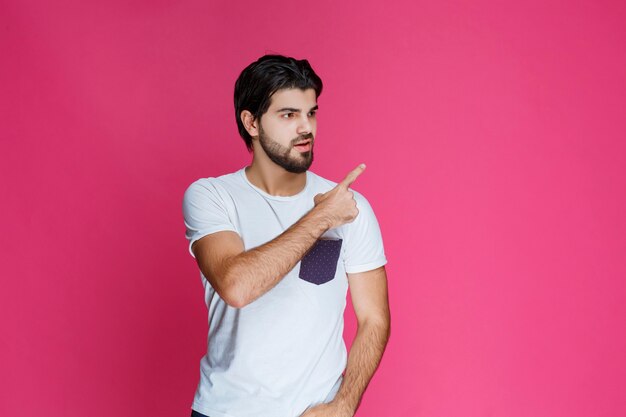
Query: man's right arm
241,276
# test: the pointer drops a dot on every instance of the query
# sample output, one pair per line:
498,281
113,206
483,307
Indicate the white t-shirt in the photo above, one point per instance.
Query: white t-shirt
283,352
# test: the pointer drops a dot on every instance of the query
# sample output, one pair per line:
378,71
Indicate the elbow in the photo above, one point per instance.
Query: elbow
384,328
234,303
232,292
379,325
233,300
226,284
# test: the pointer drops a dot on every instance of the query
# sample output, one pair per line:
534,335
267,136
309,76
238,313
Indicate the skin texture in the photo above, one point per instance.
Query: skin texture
240,276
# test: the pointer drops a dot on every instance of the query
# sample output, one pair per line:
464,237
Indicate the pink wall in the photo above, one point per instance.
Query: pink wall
494,138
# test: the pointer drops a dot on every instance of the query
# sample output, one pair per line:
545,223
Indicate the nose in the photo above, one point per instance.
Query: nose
304,125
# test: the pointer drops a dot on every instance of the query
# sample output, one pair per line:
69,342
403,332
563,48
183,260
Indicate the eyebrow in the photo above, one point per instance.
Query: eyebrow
294,110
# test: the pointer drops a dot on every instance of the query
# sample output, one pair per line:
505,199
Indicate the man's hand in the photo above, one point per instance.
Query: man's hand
331,409
338,205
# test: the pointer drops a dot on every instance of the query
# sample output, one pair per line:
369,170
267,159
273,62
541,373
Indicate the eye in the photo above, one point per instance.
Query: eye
312,113
288,115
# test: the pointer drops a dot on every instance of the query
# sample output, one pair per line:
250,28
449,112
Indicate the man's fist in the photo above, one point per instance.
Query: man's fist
338,206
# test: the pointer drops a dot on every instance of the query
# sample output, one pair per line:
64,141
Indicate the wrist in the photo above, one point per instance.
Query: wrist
342,408
319,220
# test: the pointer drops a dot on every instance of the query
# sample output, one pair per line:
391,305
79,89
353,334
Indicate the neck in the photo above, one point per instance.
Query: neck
263,173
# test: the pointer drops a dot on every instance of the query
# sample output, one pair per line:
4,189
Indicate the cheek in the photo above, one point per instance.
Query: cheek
270,130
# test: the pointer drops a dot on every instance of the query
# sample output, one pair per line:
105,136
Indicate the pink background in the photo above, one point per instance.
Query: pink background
494,138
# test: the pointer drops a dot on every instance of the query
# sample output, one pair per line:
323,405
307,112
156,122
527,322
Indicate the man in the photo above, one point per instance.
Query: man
277,247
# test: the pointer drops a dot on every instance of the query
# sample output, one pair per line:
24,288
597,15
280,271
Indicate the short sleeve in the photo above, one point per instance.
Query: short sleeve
364,244
204,211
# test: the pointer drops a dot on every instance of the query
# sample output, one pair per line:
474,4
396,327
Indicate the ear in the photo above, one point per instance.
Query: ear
250,123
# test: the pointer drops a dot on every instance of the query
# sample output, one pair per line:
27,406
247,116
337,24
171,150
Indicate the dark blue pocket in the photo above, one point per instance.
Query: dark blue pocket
319,265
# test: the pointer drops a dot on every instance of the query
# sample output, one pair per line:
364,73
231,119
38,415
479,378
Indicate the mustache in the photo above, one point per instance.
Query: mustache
301,138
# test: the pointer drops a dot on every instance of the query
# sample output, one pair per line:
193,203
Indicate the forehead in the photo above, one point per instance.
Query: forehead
293,97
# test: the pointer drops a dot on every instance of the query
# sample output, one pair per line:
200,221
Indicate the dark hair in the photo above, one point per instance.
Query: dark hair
261,79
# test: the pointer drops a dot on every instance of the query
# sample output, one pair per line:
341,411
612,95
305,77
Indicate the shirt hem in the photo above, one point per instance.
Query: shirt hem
203,233
208,411
366,267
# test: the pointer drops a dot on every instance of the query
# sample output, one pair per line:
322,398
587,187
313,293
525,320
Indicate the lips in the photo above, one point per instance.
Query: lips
303,146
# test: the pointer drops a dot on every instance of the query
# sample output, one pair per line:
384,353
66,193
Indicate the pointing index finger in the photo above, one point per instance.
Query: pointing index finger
352,176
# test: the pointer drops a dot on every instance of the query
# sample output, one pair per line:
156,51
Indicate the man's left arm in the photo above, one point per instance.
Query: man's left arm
371,306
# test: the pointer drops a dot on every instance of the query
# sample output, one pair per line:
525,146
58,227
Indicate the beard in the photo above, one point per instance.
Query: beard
281,155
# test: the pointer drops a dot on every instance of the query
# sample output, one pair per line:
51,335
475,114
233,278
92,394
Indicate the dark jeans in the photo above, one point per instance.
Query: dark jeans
194,413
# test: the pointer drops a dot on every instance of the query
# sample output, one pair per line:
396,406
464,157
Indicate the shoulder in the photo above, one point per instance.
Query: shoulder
212,195
224,184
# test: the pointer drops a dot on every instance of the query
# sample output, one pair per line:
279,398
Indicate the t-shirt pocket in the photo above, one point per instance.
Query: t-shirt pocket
319,264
